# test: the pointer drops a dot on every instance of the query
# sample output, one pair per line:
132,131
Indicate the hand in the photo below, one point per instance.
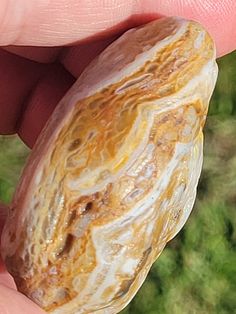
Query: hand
33,79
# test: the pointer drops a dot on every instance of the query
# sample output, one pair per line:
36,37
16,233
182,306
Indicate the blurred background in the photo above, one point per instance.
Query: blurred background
196,272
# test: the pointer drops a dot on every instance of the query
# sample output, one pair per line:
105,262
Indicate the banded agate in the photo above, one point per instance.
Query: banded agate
113,175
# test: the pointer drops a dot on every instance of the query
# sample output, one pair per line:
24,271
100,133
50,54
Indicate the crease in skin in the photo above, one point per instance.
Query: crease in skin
114,173
70,23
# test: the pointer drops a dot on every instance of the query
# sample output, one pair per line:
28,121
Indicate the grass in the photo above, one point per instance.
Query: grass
197,270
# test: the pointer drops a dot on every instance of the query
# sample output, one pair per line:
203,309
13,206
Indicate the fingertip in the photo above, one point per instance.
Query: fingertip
217,16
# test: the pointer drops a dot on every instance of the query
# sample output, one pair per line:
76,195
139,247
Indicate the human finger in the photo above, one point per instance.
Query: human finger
13,302
60,22
28,95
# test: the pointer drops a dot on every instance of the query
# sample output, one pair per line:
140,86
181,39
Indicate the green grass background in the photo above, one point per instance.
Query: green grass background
196,273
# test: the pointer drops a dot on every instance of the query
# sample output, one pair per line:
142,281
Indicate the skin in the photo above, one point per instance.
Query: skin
35,78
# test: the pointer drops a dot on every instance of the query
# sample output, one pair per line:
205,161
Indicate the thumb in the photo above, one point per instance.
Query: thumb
61,22
13,302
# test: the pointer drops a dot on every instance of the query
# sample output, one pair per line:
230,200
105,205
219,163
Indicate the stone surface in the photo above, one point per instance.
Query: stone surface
113,175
